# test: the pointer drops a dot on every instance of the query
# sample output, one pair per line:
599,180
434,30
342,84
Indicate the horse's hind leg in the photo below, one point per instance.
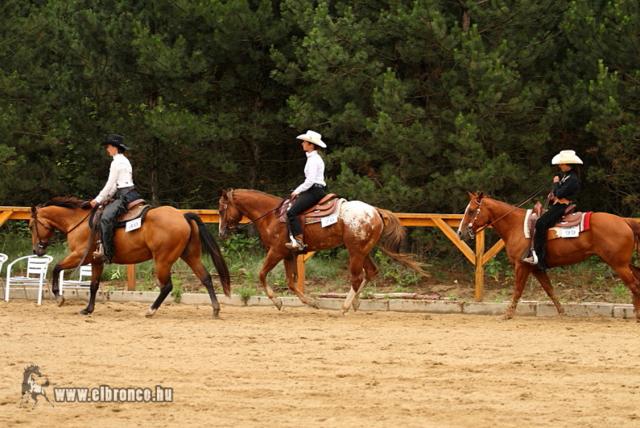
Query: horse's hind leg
194,262
631,277
370,272
163,276
544,280
356,264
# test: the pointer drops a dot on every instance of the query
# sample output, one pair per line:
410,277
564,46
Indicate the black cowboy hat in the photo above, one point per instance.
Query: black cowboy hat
115,140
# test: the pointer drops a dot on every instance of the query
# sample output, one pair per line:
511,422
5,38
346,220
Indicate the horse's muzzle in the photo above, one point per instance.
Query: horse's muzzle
466,235
40,249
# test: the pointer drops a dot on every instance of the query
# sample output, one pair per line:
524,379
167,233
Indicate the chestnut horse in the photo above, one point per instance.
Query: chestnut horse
360,228
610,237
165,235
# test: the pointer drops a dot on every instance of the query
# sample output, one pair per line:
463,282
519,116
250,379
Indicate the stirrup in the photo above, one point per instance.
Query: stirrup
295,245
532,259
98,254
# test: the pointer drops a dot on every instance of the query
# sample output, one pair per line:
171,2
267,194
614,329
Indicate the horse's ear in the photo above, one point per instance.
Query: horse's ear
480,195
472,196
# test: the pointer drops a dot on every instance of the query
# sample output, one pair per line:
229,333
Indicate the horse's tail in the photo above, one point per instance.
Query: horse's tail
635,226
211,246
392,235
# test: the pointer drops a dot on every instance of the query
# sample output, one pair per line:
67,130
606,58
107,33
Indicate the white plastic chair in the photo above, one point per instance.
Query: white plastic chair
36,275
3,258
81,282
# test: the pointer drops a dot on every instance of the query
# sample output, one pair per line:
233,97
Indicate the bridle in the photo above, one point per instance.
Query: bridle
42,245
233,228
491,223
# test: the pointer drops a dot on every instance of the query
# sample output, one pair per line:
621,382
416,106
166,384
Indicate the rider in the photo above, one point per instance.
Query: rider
308,193
119,187
566,186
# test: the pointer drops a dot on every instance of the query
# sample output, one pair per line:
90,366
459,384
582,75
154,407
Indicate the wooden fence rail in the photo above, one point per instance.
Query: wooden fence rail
446,223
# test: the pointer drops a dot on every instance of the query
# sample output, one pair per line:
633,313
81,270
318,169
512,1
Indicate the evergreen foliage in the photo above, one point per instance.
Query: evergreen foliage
419,101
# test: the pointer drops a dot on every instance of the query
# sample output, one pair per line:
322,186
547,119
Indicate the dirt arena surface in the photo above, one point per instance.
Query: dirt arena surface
302,367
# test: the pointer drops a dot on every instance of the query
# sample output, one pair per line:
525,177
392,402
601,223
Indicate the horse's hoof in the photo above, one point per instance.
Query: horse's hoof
60,300
278,303
507,316
216,313
314,303
355,305
85,311
150,312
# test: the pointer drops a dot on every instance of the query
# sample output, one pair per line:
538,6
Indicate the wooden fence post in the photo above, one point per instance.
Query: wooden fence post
131,277
479,277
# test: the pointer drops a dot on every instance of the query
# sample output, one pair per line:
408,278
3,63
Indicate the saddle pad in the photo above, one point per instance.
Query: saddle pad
554,232
330,218
139,212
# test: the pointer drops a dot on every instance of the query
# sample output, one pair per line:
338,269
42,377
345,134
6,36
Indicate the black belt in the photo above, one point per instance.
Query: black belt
318,186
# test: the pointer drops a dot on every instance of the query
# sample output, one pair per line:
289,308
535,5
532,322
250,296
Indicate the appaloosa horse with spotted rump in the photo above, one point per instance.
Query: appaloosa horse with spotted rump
358,226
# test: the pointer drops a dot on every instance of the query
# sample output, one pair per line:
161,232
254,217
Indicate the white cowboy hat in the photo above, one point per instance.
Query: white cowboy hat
313,137
566,157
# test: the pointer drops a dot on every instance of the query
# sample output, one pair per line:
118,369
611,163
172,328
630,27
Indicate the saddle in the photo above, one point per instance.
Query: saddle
325,211
135,209
570,225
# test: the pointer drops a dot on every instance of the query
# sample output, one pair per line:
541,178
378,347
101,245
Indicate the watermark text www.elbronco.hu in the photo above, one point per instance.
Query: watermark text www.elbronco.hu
109,394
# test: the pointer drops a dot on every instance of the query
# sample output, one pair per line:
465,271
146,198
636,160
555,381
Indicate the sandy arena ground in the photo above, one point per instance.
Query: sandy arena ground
302,367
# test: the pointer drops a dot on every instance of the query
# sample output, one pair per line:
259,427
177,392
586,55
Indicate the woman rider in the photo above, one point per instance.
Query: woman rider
119,187
566,186
308,193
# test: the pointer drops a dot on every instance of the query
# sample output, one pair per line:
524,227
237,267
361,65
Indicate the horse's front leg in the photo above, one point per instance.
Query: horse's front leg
69,262
96,272
272,259
522,273
291,270
544,280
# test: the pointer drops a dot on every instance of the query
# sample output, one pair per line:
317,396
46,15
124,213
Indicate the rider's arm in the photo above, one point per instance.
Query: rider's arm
109,189
568,188
314,168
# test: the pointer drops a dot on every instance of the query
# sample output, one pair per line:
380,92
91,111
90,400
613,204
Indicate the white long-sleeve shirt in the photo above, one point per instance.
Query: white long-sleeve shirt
120,176
313,172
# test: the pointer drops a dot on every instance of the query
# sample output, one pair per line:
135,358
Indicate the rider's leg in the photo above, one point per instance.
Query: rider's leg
304,201
546,221
107,225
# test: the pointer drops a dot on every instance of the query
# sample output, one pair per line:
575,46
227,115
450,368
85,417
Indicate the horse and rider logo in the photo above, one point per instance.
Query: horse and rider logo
33,386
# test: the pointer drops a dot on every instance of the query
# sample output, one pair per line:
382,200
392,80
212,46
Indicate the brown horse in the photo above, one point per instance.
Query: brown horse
360,228
165,235
610,237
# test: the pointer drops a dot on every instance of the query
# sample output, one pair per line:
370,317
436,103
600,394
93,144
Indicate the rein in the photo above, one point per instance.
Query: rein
529,198
253,221
35,218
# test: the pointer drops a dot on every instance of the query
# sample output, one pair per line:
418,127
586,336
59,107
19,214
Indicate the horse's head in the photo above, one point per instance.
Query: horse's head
41,231
230,216
474,217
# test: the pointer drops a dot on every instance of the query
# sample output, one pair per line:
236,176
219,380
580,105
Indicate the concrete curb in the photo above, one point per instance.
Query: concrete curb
526,308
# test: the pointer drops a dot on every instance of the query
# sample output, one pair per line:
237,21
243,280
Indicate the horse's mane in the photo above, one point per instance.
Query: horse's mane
276,198
67,202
